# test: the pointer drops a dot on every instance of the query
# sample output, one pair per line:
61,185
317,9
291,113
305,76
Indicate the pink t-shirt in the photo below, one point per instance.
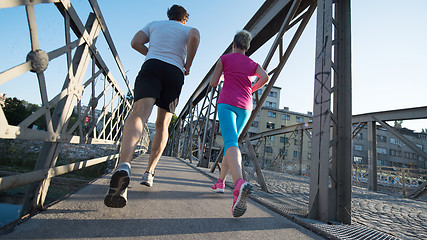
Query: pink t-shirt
238,71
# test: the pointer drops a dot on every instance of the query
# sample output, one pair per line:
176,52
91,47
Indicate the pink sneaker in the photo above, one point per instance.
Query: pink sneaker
242,190
218,186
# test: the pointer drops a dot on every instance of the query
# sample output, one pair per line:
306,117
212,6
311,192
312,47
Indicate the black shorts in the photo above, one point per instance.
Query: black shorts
159,80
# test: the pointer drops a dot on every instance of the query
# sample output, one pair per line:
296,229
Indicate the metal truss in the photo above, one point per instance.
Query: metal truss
370,121
273,19
296,131
82,58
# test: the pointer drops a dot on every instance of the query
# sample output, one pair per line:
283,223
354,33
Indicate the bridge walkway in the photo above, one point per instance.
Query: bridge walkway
179,205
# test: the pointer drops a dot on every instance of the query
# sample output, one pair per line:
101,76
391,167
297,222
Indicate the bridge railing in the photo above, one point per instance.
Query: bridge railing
90,108
394,179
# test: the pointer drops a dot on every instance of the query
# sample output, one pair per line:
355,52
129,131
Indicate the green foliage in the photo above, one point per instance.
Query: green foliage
13,156
173,121
398,124
16,110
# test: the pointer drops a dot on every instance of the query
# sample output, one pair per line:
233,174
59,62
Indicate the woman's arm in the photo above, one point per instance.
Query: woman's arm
138,42
263,78
216,76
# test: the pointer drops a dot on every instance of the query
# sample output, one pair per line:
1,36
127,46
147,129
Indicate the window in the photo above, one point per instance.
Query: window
271,114
411,155
359,136
357,159
381,138
285,116
255,124
395,141
295,154
299,119
357,147
309,156
283,139
295,141
271,138
309,144
272,94
260,91
420,146
271,104
270,125
268,149
395,153
381,151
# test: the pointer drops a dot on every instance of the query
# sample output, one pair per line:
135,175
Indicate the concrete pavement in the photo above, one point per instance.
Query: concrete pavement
178,206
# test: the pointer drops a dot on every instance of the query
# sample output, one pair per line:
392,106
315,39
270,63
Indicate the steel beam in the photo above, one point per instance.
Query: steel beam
372,156
393,115
330,188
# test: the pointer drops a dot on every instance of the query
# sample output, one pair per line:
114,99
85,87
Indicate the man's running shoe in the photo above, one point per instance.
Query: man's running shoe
117,194
242,190
147,179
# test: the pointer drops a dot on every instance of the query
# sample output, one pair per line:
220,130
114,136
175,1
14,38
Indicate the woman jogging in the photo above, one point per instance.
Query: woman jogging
234,108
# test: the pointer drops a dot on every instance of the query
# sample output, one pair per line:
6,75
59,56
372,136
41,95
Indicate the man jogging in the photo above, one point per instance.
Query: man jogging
172,47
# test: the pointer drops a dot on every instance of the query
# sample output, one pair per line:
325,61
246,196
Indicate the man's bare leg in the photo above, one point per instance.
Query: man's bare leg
134,127
160,138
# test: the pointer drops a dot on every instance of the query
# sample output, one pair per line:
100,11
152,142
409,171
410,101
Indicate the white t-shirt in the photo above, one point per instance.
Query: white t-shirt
167,42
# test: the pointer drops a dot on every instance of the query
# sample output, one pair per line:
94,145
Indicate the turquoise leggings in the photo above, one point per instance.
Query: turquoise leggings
231,122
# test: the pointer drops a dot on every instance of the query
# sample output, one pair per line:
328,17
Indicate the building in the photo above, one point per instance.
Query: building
390,150
292,151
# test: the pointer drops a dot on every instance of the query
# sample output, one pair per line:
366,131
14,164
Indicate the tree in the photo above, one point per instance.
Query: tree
398,123
15,111
172,123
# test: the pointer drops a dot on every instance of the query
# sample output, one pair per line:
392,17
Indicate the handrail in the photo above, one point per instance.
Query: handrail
99,104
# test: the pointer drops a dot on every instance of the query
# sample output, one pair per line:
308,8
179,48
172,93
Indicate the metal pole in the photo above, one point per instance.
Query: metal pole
301,145
372,156
332,203
344,110
190,132
204,162
213,133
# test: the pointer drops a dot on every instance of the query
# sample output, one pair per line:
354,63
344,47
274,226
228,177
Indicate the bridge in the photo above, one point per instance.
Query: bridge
297,205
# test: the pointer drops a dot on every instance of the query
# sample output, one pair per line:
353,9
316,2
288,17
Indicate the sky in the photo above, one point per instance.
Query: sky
389,50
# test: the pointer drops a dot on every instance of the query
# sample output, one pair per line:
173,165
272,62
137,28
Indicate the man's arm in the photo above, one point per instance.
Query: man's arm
138,42
192,45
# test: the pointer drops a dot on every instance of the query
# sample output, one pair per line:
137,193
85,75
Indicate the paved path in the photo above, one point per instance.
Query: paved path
178,206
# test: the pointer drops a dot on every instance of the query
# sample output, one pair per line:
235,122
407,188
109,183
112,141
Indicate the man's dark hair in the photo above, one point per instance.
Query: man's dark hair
177,13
